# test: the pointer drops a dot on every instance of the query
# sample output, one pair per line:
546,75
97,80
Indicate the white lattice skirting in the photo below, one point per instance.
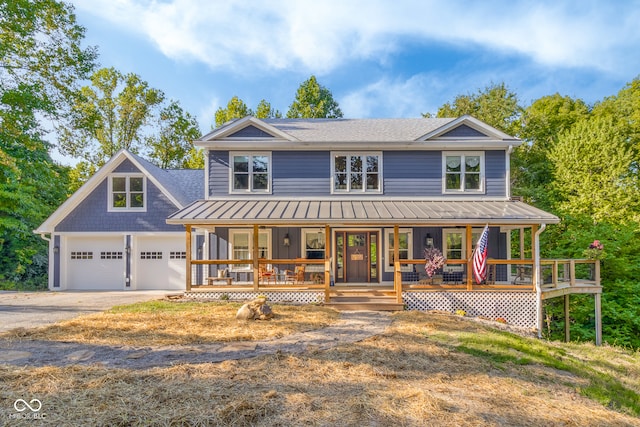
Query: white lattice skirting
295,297
517,308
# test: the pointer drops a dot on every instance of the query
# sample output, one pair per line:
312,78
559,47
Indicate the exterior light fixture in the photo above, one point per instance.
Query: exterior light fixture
286,241
428,241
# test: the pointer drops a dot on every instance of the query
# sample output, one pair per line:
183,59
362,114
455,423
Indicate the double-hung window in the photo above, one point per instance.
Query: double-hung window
127,192
241,244
405,248
455,245
463,172
357,173
250,172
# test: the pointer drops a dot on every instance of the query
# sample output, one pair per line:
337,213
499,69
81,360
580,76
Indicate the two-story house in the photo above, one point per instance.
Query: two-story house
309,210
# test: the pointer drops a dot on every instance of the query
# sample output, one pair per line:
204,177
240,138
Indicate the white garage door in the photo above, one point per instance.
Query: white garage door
95,263
160,263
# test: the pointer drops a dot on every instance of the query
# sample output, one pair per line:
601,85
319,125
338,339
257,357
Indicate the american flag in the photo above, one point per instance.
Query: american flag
480,256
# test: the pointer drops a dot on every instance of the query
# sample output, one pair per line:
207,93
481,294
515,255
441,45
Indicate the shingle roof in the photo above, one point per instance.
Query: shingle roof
350,130
351,212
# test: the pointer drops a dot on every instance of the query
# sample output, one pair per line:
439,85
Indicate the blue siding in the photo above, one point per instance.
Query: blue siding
405,174
495,173
464,131
306,173
92,215
250,132
412,173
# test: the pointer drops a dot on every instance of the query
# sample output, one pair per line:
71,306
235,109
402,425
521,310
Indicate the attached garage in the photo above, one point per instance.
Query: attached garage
94,263
159,263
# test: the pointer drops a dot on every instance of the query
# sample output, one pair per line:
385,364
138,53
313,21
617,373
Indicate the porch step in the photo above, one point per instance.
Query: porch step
361,302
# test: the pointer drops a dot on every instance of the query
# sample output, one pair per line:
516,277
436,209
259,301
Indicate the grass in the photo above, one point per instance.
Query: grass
426,369
172,323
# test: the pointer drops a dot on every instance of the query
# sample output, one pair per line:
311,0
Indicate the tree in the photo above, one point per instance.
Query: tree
110,116
237,109
594,174
172,144
313,101
542,123
496,105
41,64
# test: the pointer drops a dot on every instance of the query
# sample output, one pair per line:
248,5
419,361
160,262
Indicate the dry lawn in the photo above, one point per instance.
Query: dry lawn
169,322
426,369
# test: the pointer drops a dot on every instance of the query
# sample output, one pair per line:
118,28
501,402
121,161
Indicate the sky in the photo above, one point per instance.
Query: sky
379,58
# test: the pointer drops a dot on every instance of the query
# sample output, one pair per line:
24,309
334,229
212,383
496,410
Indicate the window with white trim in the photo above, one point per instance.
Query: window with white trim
454,242
127,192
250,172
241,246
463,172
405,247
313,243
357,173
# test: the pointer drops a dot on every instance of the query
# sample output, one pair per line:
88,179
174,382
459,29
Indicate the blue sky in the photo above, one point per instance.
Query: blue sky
379,58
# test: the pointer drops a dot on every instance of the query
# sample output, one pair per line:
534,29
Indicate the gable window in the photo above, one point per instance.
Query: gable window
241,243
250,172
127,192
405,248
354,173
463,172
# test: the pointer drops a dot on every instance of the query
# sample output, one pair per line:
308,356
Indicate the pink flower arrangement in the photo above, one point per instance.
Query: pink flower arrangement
595,251
434,261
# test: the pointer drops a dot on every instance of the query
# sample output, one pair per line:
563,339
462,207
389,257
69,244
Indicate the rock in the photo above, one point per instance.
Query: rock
254,310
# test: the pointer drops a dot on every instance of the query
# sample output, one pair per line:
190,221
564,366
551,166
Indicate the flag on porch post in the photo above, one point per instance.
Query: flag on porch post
480,256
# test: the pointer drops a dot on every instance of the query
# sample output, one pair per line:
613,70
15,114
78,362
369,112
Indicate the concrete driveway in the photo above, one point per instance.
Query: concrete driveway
31,309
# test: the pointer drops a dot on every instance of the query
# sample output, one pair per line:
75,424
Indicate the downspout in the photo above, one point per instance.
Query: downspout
536,266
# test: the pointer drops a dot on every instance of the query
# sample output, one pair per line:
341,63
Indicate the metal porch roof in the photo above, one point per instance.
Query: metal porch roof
360,212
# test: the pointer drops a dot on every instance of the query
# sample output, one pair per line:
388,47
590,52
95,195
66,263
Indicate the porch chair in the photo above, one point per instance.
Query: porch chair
266,275
296,276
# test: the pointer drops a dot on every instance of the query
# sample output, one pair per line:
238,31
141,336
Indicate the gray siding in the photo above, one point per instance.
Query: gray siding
218,173
495,173
92,215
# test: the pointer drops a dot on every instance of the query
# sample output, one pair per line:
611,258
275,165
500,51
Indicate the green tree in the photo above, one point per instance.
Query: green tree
314,101
110,116
237,109
593,172
542,123
172,142
496,105
42,62
265,111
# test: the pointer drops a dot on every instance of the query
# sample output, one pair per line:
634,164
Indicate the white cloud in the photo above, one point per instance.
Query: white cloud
322,35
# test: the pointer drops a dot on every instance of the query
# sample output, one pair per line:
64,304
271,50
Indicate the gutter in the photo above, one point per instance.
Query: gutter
536,265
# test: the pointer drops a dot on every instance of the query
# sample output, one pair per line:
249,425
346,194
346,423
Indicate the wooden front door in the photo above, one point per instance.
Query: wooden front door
357,254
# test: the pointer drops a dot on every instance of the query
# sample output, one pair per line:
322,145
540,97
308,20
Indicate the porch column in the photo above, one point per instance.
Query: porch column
256,252
567,326
535,255
188,261
469,250
598,310
327,263
397,274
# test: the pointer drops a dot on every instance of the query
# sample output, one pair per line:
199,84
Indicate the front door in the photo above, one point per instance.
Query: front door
357,256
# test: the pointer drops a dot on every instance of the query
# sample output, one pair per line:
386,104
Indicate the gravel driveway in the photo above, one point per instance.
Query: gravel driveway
31,309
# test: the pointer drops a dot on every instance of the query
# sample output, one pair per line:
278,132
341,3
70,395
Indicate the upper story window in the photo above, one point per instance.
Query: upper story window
250,172
127,192
463,172
357,173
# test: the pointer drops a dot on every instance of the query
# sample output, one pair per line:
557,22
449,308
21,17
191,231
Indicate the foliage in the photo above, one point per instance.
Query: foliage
314,101
41,64
110,116
237,109
496,105
172,143
593,173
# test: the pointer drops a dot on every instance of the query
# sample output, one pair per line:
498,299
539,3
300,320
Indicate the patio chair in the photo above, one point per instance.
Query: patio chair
266,276
296,276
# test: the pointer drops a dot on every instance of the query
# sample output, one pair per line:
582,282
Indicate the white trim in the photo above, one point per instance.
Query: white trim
250,155
388,232
236,126
48,226
349,154
207,193
127,176
463,155
249,232
303,240
472,122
